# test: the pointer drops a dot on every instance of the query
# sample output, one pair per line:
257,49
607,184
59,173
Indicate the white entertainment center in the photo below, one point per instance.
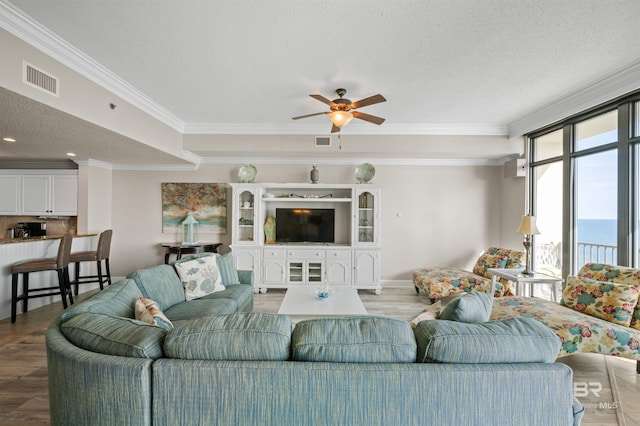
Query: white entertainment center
352,259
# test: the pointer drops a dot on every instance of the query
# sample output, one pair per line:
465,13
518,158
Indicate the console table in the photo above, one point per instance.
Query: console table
179,249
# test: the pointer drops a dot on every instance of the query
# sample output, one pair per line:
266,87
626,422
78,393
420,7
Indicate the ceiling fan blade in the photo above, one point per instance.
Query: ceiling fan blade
367,117
334,128
323,99
375,99
308,115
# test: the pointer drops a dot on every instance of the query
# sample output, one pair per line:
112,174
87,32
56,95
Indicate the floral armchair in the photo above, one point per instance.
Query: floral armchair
441,282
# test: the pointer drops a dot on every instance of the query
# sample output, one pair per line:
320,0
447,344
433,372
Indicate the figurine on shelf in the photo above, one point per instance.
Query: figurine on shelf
270,230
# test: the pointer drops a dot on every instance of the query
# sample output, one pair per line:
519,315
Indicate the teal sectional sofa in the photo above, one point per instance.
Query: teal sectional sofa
224,365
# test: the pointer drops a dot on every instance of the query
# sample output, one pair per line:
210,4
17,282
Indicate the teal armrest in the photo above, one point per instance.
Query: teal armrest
246,277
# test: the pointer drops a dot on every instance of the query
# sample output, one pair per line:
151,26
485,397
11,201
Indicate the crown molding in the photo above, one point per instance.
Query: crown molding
21,25
612,86
156,167
352,129
94,163
380,161
341,161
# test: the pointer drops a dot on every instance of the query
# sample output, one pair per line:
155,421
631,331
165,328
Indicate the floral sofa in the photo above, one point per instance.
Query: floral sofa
598,313
441,282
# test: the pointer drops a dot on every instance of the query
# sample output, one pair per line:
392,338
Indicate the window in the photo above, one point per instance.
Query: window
579,167
637,120
596,208
597,131
548,146
547,248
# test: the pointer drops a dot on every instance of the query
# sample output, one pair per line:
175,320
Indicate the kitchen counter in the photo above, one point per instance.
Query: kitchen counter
43,238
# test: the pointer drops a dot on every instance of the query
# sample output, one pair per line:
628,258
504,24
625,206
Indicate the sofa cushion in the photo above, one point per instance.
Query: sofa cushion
227,269
160,283
506,341
147,311
235,337
115,300
199,308
471,307
199,277
241,293
359,339
114,335
610,301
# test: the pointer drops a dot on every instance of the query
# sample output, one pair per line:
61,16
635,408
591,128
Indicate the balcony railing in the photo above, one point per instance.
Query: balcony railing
548,256
597,253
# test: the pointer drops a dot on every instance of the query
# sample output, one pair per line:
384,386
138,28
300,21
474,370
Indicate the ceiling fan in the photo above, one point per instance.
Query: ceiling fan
342,110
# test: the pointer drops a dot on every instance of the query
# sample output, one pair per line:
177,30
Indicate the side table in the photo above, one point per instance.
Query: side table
516,276
179,249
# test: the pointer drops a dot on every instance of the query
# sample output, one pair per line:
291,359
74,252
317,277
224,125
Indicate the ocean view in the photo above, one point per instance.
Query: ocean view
597,231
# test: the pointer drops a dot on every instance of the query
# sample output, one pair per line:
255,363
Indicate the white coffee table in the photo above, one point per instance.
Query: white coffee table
301,303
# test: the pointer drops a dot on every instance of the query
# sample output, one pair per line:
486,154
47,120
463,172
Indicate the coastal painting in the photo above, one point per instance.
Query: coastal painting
207,202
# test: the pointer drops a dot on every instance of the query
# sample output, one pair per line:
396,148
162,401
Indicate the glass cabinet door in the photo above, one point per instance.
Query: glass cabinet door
246,216
366,218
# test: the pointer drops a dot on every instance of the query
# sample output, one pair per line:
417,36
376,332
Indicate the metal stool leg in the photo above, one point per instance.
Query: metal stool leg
67,284
63,287
106,263
25,292
100,282
14,296
77,274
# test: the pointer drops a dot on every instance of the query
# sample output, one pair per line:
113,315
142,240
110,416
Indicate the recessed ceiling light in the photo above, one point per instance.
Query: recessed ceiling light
71,154
8,139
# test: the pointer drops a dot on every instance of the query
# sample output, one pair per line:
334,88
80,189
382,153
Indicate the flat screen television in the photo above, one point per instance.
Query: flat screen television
302,225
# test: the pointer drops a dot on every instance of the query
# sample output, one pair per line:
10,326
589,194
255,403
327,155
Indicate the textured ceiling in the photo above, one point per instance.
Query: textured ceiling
221,66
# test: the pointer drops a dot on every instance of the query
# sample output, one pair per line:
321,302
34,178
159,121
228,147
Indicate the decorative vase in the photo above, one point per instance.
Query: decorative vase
270,230
315,174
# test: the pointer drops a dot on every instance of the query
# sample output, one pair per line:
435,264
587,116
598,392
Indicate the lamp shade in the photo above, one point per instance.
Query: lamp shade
528,226
340,118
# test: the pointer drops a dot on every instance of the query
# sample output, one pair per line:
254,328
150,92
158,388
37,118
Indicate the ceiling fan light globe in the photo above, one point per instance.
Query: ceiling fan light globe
340,118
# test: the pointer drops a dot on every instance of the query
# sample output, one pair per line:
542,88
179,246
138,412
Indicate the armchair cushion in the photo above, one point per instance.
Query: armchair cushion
614,273
614,302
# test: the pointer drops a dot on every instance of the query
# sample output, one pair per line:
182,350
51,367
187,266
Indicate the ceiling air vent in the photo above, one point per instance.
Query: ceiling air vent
323,141
35,77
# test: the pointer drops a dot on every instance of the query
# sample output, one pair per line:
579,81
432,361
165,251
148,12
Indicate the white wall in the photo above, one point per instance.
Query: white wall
431,215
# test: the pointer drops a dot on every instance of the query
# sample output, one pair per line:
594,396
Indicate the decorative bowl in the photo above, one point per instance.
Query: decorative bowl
365,172
323,292
247,173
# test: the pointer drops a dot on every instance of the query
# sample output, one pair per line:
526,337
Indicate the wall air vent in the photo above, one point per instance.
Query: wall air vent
323,141
35,77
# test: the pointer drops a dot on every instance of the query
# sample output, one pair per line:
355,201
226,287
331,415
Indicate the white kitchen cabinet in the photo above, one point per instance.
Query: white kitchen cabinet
9,195
44,195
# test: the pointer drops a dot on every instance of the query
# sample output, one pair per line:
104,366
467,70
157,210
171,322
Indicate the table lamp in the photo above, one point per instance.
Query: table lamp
527,228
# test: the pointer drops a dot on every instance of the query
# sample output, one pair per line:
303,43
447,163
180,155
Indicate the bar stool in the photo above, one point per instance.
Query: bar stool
60,264
101,253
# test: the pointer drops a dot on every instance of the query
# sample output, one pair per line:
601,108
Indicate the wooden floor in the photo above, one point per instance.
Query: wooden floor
23,364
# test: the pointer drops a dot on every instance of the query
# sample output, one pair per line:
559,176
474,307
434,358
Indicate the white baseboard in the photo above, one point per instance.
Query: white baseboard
396,283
